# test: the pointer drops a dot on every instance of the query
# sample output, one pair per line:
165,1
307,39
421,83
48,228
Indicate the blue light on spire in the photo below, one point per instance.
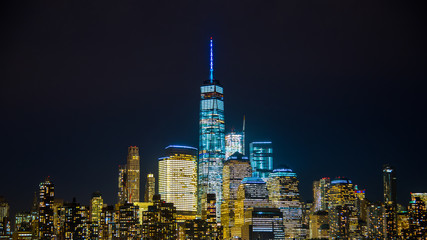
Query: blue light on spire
211,62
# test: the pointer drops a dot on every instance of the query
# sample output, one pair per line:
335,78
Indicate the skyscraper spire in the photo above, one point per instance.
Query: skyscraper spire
244,123
211,78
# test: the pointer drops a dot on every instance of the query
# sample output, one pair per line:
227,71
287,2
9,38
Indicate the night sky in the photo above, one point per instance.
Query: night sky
337,86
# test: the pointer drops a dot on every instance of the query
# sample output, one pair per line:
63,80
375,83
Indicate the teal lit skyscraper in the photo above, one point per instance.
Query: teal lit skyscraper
261,156
211,140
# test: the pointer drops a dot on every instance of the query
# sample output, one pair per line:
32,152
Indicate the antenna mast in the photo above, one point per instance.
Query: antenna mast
211,61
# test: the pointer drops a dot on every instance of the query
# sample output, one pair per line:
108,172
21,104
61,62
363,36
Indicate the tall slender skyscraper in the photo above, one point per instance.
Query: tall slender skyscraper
389,180
122,192
261,156
46,199
133,176
211,141
390,205
150,188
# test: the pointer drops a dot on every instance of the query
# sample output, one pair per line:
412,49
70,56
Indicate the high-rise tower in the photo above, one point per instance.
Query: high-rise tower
178,180
211,140
389,180
233,144
150,188
261,156
132,172
390,205
46,199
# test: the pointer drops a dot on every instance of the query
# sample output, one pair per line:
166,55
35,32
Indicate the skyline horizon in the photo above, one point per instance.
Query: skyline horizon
332,100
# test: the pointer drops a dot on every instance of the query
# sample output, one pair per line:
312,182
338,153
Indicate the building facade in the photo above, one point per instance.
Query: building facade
236,168
46,201
150,188
178,179
133,174
261,157
211,140
252,192
283,189
233,143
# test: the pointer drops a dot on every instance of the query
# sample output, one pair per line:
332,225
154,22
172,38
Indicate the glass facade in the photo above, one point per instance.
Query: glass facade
233,143
263,223
211,142
178,179
46,200
252,192
150,188
261,156
236,168
341,193
283,188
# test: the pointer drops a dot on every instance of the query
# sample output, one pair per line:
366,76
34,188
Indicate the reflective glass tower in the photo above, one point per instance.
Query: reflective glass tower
233,143
211,141
261,156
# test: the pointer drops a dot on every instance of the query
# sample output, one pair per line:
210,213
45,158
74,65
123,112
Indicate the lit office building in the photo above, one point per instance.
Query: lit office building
339,222
261,157
417,219
159,221
251,193
340,193
96,205
127,221
402,223
215,229
197,229
107,228
132,174
263,223
342,209
150,188
178,180
5,226
23,221
390,204
236,168
122,194
317,197
46,200
375,224
422,196
319,225
233,143
320,194
389,181
284,194
73,221
211,140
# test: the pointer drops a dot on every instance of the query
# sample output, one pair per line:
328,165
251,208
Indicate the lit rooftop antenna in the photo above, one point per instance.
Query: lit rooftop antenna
211,61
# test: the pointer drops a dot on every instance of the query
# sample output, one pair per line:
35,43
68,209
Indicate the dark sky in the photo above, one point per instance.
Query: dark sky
338,86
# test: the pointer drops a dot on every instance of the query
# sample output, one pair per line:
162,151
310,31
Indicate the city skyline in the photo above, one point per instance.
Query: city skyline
370,138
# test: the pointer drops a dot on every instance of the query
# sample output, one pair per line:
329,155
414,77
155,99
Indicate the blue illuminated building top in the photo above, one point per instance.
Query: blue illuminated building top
253,180
180,146
261,157
340,180
283,172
